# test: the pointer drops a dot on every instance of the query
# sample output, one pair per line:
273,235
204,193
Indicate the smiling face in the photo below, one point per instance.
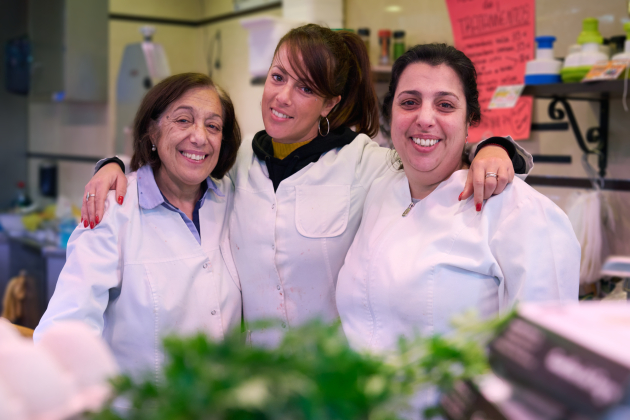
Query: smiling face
290,109
188,138
429,124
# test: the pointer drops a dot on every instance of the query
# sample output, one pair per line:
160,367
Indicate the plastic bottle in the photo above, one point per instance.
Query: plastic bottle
577,64
384,42
625,55
364,34
399,44
544,68
66,227
21,198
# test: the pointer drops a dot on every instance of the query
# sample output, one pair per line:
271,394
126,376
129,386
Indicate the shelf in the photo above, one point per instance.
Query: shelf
592,91
559,108
381,74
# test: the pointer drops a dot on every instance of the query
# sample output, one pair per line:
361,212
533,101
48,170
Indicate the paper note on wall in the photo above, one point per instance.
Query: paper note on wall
498,36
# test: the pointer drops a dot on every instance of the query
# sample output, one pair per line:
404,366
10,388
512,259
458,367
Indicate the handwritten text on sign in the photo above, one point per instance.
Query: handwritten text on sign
498,36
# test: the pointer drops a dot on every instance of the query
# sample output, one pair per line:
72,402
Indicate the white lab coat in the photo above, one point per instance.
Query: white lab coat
141,274
290,245
411,275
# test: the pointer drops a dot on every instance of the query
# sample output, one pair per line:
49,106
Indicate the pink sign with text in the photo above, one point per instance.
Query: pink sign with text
498,36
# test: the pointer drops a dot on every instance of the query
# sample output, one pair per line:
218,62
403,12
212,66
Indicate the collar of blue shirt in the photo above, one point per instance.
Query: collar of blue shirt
150,196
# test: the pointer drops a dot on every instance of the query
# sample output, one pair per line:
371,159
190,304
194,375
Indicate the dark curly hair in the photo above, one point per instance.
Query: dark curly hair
155,103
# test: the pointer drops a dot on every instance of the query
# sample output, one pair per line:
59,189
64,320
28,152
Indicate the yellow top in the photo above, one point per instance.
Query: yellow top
282,150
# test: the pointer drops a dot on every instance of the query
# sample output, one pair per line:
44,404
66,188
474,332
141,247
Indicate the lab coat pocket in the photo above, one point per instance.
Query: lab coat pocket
322,211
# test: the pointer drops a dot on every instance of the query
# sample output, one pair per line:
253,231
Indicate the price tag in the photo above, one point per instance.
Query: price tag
506,96
610,70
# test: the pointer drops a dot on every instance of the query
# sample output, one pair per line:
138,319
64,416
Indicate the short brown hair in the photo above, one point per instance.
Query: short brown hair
155,103
335,63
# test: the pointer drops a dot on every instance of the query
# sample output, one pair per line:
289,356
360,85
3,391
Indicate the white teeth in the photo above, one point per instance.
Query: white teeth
193,157
277,114
425,142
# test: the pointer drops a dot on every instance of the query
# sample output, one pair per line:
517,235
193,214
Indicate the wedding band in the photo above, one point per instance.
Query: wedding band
88,195
492,174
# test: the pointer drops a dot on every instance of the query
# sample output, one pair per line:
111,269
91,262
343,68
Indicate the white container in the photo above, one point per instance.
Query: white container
544,69
264,34
589,55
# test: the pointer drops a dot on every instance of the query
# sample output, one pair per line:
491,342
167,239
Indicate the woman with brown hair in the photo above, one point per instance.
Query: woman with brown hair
301,186
160,263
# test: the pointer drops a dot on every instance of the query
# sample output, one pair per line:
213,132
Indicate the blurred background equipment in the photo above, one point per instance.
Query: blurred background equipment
69,46
20,304
143,65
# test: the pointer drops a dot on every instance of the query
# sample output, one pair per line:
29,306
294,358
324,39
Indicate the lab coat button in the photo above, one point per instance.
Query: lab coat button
278,287
284,325
213,312
205,265
273,247
273,207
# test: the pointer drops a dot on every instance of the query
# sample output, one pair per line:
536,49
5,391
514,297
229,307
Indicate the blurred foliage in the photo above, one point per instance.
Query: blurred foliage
312,374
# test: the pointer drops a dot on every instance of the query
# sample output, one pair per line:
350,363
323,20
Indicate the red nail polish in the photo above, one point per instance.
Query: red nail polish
120,200
85,223
460,197
91,225
81,220
96,220
478,206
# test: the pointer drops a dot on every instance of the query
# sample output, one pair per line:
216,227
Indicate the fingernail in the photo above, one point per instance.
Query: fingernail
96,220
81,220
91,225
478,206
120,200
460,196
85,223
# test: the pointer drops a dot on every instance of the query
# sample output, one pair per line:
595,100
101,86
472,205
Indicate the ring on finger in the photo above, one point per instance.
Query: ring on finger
88,195
492,174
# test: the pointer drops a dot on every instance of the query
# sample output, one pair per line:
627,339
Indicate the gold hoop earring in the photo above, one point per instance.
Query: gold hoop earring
319,128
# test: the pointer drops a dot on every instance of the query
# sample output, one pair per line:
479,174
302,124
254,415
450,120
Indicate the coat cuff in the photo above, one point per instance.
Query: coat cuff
520,163
105,161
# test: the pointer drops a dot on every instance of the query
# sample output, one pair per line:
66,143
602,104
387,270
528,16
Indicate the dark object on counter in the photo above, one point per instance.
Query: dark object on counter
493,398
48,179
566,363
21,199
17,65
617,44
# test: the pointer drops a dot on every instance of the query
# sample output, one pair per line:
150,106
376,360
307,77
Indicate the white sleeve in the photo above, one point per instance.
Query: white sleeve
538,255
373,162
93,268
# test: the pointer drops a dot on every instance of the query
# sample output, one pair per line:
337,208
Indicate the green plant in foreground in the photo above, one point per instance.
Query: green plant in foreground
313,374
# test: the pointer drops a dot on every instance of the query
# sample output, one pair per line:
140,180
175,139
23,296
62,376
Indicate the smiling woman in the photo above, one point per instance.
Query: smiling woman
160,263
421,256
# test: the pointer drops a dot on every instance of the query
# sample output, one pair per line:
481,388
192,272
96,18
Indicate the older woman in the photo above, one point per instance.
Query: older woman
161,262
421,256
